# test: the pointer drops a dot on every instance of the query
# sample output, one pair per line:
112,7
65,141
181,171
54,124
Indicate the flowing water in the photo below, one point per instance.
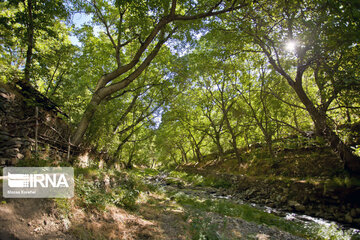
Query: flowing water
322,228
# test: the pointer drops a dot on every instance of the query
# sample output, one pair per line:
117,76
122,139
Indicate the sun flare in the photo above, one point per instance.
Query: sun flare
291,46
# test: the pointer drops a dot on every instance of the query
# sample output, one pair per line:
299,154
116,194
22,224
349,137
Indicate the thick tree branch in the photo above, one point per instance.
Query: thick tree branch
273,63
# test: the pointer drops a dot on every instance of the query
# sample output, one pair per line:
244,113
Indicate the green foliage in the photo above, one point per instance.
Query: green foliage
331,232
64,206
92,192
49,31
202,227
341,182
198,180
177,174
35,161
357,150
217,85
248,213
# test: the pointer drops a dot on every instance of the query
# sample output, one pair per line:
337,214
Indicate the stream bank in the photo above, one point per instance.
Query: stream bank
329,199
292,212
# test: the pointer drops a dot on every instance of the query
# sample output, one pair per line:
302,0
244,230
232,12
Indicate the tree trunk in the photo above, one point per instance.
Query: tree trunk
86,118
351,161
196,146
129,162
233,137
198,153
268,140
183,154
158,31
131,156
219,147
30,42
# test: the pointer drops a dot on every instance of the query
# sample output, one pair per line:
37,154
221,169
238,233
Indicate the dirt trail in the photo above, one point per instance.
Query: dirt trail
156,217
41,219
31,219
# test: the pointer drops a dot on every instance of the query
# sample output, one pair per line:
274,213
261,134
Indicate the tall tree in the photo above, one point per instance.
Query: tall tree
26,21
139,29
309,41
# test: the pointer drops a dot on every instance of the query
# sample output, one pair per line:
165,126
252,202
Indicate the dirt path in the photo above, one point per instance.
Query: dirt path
31,219
41,219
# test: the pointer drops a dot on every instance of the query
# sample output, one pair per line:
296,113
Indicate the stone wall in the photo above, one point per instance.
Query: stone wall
17,129
17,132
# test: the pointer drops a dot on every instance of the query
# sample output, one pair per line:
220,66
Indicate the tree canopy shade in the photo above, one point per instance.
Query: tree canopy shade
318,54
179,80
26,24
142,27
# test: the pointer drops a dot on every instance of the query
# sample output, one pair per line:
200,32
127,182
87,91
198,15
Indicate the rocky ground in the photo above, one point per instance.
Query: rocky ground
254,196
332,199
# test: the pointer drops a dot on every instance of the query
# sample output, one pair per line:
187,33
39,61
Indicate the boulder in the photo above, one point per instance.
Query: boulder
297,206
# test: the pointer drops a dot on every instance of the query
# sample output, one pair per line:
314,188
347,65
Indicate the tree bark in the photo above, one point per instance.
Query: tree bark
219,147
318,115
183,153
30,42
86,118
351,161
233,137
196,145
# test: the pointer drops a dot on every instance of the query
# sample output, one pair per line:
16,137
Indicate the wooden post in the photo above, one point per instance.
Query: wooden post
36,128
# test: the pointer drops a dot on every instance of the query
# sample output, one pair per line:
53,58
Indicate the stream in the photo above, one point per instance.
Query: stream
340,230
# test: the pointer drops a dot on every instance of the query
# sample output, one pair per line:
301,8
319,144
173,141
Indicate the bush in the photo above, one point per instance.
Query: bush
203,228
91,191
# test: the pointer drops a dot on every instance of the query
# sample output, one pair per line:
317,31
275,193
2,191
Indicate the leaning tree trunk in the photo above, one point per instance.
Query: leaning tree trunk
351,161
85,120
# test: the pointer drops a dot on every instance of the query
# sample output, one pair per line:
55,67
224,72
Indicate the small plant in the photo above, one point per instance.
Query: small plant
203,228
356,150
92,192
34,161
64,206
329,232
177,174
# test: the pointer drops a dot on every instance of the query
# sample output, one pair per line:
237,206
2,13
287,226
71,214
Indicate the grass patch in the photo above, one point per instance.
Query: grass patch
86,172
248,213
64,206
202,227
144,172
199,180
